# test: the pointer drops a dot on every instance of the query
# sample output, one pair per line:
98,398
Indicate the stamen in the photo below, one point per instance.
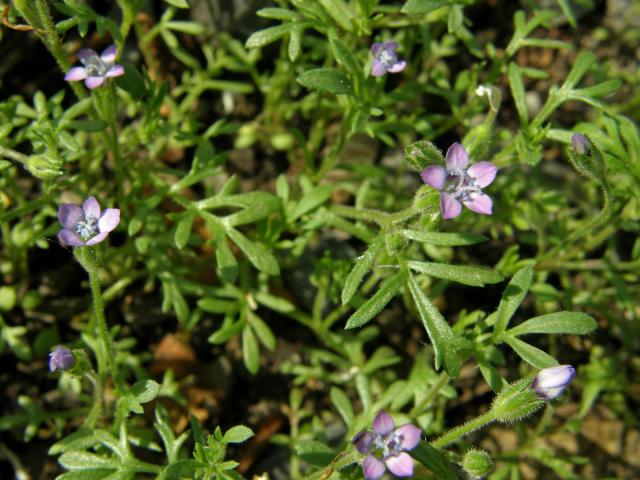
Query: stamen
87,228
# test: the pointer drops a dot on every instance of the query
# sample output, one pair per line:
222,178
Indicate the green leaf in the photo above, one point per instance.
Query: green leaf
295,42
339,11
566,9
362,266
435,460
268,35
87,125
178,3
344,57
444,239
226,261
132,82
572,323
250,351
181,469
183,229
260,257
237,434
420,7
440,333
511,299
145,390
217,305
92,474
277,13
310,201
343,405
455,18
315,453
329,80
530,354
86,461
517,90
262,330
369,309
467,275
583,62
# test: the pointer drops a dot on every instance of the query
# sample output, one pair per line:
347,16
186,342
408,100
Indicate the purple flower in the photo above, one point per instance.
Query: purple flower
86,225
580,144
551,382
61,359
461,185
97,68
385,59
390,445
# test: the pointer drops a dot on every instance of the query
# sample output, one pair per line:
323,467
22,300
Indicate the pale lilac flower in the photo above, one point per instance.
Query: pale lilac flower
387,447
385,59
580,144
86,225
61,359
96,68
551,382
460,184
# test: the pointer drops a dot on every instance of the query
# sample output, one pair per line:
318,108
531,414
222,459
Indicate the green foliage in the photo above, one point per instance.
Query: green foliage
272,237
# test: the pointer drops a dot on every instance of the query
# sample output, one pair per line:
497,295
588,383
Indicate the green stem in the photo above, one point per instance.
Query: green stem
465,429
103,332
96,408
13,155
431,394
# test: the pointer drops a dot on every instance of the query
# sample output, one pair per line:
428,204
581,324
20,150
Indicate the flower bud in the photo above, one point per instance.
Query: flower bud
580,144
61,359
477,463
551,382
515,402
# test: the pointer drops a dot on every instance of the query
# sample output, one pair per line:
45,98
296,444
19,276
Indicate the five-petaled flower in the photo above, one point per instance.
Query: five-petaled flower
385,59
551,382
61,359
389,444
86,225
96,68
460,185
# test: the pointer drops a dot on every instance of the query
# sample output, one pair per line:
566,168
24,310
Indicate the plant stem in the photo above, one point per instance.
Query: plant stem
465,429
96,408
103,332
431,394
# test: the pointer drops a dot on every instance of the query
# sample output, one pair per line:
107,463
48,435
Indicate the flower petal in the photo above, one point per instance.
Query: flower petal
362,441
449,206
376,48
109,54
401,464
75,74
109,220
115,71
409,436
69,238
91,208
434,176
550,382
373,468
392,45
377,68
94,82
483,172
457,157
397,67
86,53
479,203
97,239
383,423
69,215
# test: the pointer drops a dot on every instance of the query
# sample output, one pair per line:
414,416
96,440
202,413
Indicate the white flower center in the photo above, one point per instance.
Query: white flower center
386,58
95,66
461,185
87,228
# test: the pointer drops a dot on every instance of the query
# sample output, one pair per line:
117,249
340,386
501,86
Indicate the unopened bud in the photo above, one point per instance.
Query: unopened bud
61,359
477,463
551,382
580,144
